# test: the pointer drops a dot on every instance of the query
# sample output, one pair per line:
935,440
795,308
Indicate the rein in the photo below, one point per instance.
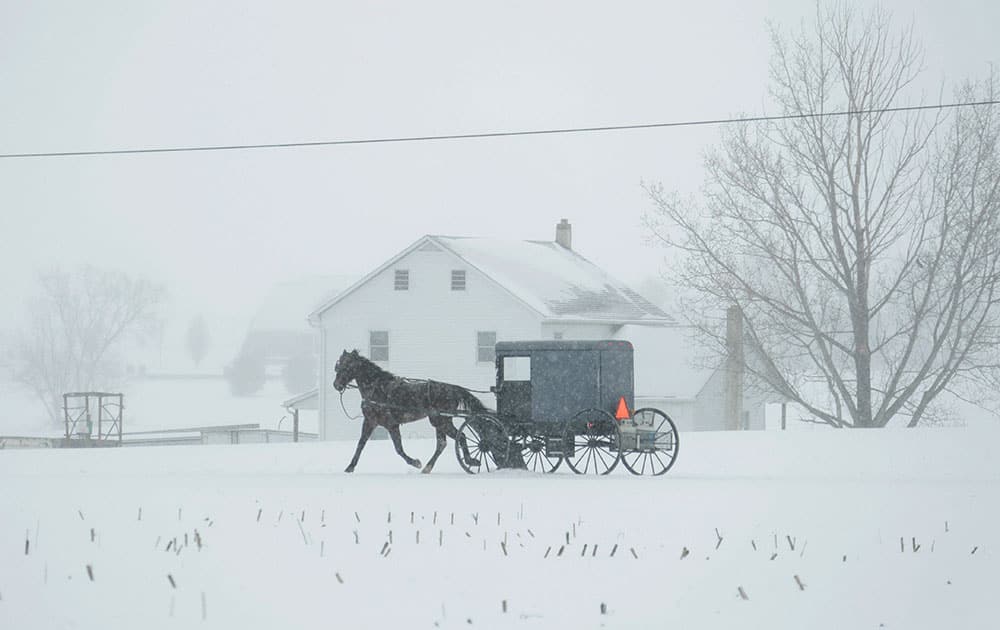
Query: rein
429,381
390,406
342,406
370,371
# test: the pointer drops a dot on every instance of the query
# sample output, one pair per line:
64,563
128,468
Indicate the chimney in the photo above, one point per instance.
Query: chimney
564,234
733,375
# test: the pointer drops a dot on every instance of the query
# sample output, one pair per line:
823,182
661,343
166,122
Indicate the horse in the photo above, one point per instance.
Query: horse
389,401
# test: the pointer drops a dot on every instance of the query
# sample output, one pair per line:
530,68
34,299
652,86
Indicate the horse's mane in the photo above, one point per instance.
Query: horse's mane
371,368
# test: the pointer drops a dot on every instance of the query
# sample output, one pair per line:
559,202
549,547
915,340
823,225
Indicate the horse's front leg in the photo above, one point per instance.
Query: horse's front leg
366,432
397,441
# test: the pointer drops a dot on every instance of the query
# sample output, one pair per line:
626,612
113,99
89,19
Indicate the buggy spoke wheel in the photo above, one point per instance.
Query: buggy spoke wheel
596,442
658,443
481,445
534,456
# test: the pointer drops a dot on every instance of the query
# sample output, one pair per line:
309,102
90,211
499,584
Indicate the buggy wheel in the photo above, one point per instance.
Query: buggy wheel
481,445
657,443
596,442
533,453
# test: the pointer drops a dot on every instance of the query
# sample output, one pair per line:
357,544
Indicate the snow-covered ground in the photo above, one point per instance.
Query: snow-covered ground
835,529
159,403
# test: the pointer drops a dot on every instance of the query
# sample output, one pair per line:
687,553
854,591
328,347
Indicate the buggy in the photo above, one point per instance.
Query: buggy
569,401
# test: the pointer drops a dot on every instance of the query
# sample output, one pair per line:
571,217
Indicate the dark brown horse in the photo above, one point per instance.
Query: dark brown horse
389,401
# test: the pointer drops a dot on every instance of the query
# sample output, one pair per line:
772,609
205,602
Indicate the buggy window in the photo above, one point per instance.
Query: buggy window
517,368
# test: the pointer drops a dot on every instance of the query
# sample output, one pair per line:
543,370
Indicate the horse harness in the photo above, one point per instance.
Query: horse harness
387,405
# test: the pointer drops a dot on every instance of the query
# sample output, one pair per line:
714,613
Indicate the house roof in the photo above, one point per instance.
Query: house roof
305,400
556,282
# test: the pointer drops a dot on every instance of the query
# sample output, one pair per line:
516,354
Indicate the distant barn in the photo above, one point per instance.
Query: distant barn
279,335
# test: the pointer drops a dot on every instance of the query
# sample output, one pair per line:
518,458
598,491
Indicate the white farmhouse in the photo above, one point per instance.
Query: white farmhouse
436,309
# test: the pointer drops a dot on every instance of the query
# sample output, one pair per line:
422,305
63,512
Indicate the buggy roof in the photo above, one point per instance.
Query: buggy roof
520,347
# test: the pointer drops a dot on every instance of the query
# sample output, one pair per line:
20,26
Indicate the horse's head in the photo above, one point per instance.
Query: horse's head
346,369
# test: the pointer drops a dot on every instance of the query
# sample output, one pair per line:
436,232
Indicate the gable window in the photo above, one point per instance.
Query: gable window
378,345
458,280
402,280
485,342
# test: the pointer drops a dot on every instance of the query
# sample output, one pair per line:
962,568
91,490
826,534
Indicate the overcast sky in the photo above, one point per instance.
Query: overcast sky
220,228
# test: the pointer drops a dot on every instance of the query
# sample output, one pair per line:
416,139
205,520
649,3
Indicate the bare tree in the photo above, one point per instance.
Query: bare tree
197,339
862,249
75,325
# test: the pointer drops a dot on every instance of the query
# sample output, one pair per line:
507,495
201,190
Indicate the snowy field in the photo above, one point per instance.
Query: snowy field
154,404
878,529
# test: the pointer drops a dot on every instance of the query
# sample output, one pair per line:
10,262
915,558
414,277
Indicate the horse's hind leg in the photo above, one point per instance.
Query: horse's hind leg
397,441
442,440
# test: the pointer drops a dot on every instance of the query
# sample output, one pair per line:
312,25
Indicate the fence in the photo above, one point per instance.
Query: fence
221,434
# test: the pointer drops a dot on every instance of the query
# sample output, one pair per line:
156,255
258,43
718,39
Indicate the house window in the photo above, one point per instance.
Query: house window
557,335
485,346
402,280
458,280
378,345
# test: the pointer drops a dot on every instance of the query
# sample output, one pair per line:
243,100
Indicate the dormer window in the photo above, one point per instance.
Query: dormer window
458,280
402,282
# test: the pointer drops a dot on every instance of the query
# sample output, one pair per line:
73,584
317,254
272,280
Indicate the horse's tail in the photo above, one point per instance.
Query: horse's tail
469,403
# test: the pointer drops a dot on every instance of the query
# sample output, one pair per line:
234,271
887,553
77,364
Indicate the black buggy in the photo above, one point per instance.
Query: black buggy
567,400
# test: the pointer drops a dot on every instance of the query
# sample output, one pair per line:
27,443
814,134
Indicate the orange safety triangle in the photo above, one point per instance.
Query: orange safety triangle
622,412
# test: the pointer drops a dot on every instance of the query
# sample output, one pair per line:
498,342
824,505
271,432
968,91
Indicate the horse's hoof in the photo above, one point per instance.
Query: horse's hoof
416,463
349,469
426,469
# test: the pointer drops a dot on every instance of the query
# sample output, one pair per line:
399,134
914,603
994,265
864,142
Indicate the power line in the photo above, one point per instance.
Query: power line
497,134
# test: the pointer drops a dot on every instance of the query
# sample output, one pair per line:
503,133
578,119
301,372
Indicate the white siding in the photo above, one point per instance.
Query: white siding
325,379
572,330
710,406
432,331
682,412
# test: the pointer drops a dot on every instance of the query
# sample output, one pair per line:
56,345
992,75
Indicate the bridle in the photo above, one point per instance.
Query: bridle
342,406
349,385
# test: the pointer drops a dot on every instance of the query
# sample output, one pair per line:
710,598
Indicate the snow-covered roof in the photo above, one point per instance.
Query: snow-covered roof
556,282
668,361
305,400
